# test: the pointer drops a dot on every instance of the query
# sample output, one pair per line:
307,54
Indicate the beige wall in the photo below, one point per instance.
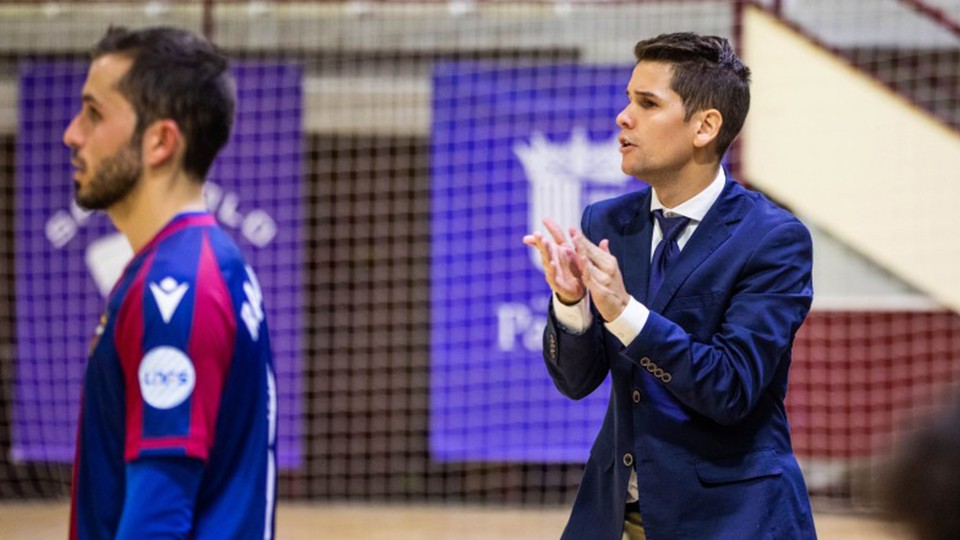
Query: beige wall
853,158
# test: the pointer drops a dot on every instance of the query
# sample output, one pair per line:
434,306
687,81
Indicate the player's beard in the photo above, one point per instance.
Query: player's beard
114,180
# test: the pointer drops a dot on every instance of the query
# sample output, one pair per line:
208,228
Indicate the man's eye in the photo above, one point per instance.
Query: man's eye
647,104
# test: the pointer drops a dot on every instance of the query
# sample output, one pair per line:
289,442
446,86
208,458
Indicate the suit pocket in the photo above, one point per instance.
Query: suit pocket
700,315
742,497
735,469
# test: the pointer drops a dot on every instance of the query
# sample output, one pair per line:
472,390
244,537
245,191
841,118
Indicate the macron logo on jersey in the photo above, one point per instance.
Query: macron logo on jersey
168,295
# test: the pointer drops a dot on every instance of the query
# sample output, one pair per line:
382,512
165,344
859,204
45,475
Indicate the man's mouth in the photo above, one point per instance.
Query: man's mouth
77,162
79,168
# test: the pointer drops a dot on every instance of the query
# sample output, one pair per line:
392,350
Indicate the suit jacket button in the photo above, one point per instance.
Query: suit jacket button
636,396
553,346
628,459
645,361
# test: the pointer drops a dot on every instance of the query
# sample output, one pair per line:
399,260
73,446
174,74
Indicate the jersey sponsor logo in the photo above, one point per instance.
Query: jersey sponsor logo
166,377
252,309
168,294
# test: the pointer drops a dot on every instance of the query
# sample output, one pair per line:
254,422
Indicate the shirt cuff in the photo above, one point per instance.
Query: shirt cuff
575,318
630,323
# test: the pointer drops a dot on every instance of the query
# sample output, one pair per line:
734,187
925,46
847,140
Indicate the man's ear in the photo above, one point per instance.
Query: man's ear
162,142
709,122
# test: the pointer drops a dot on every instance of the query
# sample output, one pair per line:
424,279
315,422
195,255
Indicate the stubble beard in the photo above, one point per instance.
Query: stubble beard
114,180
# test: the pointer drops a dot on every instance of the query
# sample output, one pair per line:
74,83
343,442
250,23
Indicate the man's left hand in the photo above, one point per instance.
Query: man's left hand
601,275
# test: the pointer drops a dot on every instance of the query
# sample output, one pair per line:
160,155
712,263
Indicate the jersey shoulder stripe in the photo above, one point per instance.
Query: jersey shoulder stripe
176,354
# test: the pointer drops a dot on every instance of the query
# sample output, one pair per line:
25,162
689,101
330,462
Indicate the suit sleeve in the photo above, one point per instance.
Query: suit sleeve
725,378
576,362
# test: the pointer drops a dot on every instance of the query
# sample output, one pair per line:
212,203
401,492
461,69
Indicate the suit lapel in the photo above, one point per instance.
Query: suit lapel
636,233
713,231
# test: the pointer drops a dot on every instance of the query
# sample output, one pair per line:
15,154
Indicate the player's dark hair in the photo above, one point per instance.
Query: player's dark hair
706,75
180,76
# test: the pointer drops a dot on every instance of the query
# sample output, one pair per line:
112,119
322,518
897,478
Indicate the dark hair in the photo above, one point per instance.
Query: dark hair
922,485
706,75
180,76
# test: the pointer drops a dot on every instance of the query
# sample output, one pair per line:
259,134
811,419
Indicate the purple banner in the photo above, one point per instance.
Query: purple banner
509,147
68,259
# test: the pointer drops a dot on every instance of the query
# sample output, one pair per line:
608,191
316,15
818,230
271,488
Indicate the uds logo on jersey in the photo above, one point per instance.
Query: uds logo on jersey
166,377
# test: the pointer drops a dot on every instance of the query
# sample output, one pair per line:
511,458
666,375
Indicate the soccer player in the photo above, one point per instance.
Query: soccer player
688,294
178,417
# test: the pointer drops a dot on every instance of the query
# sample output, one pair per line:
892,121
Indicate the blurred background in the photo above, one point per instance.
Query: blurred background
388,157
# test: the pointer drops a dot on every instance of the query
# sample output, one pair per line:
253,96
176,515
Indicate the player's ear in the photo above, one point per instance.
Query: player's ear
708,124
162,142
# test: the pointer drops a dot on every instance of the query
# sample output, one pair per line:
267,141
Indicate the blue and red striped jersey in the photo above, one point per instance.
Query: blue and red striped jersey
181,369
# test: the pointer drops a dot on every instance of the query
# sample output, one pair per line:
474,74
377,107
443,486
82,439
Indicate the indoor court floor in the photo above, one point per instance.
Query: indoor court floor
313,521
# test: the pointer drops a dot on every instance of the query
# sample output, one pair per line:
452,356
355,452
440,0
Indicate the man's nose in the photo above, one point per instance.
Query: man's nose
71,135
624,120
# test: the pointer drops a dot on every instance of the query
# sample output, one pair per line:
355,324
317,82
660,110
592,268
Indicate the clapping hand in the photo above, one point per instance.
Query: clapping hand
600,273
561,264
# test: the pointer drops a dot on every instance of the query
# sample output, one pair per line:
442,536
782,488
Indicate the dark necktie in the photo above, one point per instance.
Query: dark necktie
667,250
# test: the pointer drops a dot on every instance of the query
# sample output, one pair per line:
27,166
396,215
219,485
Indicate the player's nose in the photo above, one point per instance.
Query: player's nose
72,136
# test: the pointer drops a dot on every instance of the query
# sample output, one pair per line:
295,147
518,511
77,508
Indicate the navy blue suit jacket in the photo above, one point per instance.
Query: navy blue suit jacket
697,400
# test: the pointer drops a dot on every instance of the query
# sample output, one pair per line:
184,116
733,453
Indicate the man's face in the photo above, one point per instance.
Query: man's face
105,155
655,141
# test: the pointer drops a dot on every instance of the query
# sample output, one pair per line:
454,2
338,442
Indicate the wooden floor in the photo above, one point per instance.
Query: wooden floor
296,521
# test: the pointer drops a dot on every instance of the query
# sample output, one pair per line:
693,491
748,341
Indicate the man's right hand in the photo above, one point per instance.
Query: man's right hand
561,265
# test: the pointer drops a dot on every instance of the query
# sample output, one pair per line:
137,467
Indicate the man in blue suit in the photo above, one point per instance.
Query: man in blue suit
689,294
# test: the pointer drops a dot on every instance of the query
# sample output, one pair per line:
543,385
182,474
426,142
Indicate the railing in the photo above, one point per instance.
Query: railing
926,75
933,13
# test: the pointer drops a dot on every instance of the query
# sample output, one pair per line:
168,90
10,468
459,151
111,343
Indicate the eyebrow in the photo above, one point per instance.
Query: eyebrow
642,93
88,98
